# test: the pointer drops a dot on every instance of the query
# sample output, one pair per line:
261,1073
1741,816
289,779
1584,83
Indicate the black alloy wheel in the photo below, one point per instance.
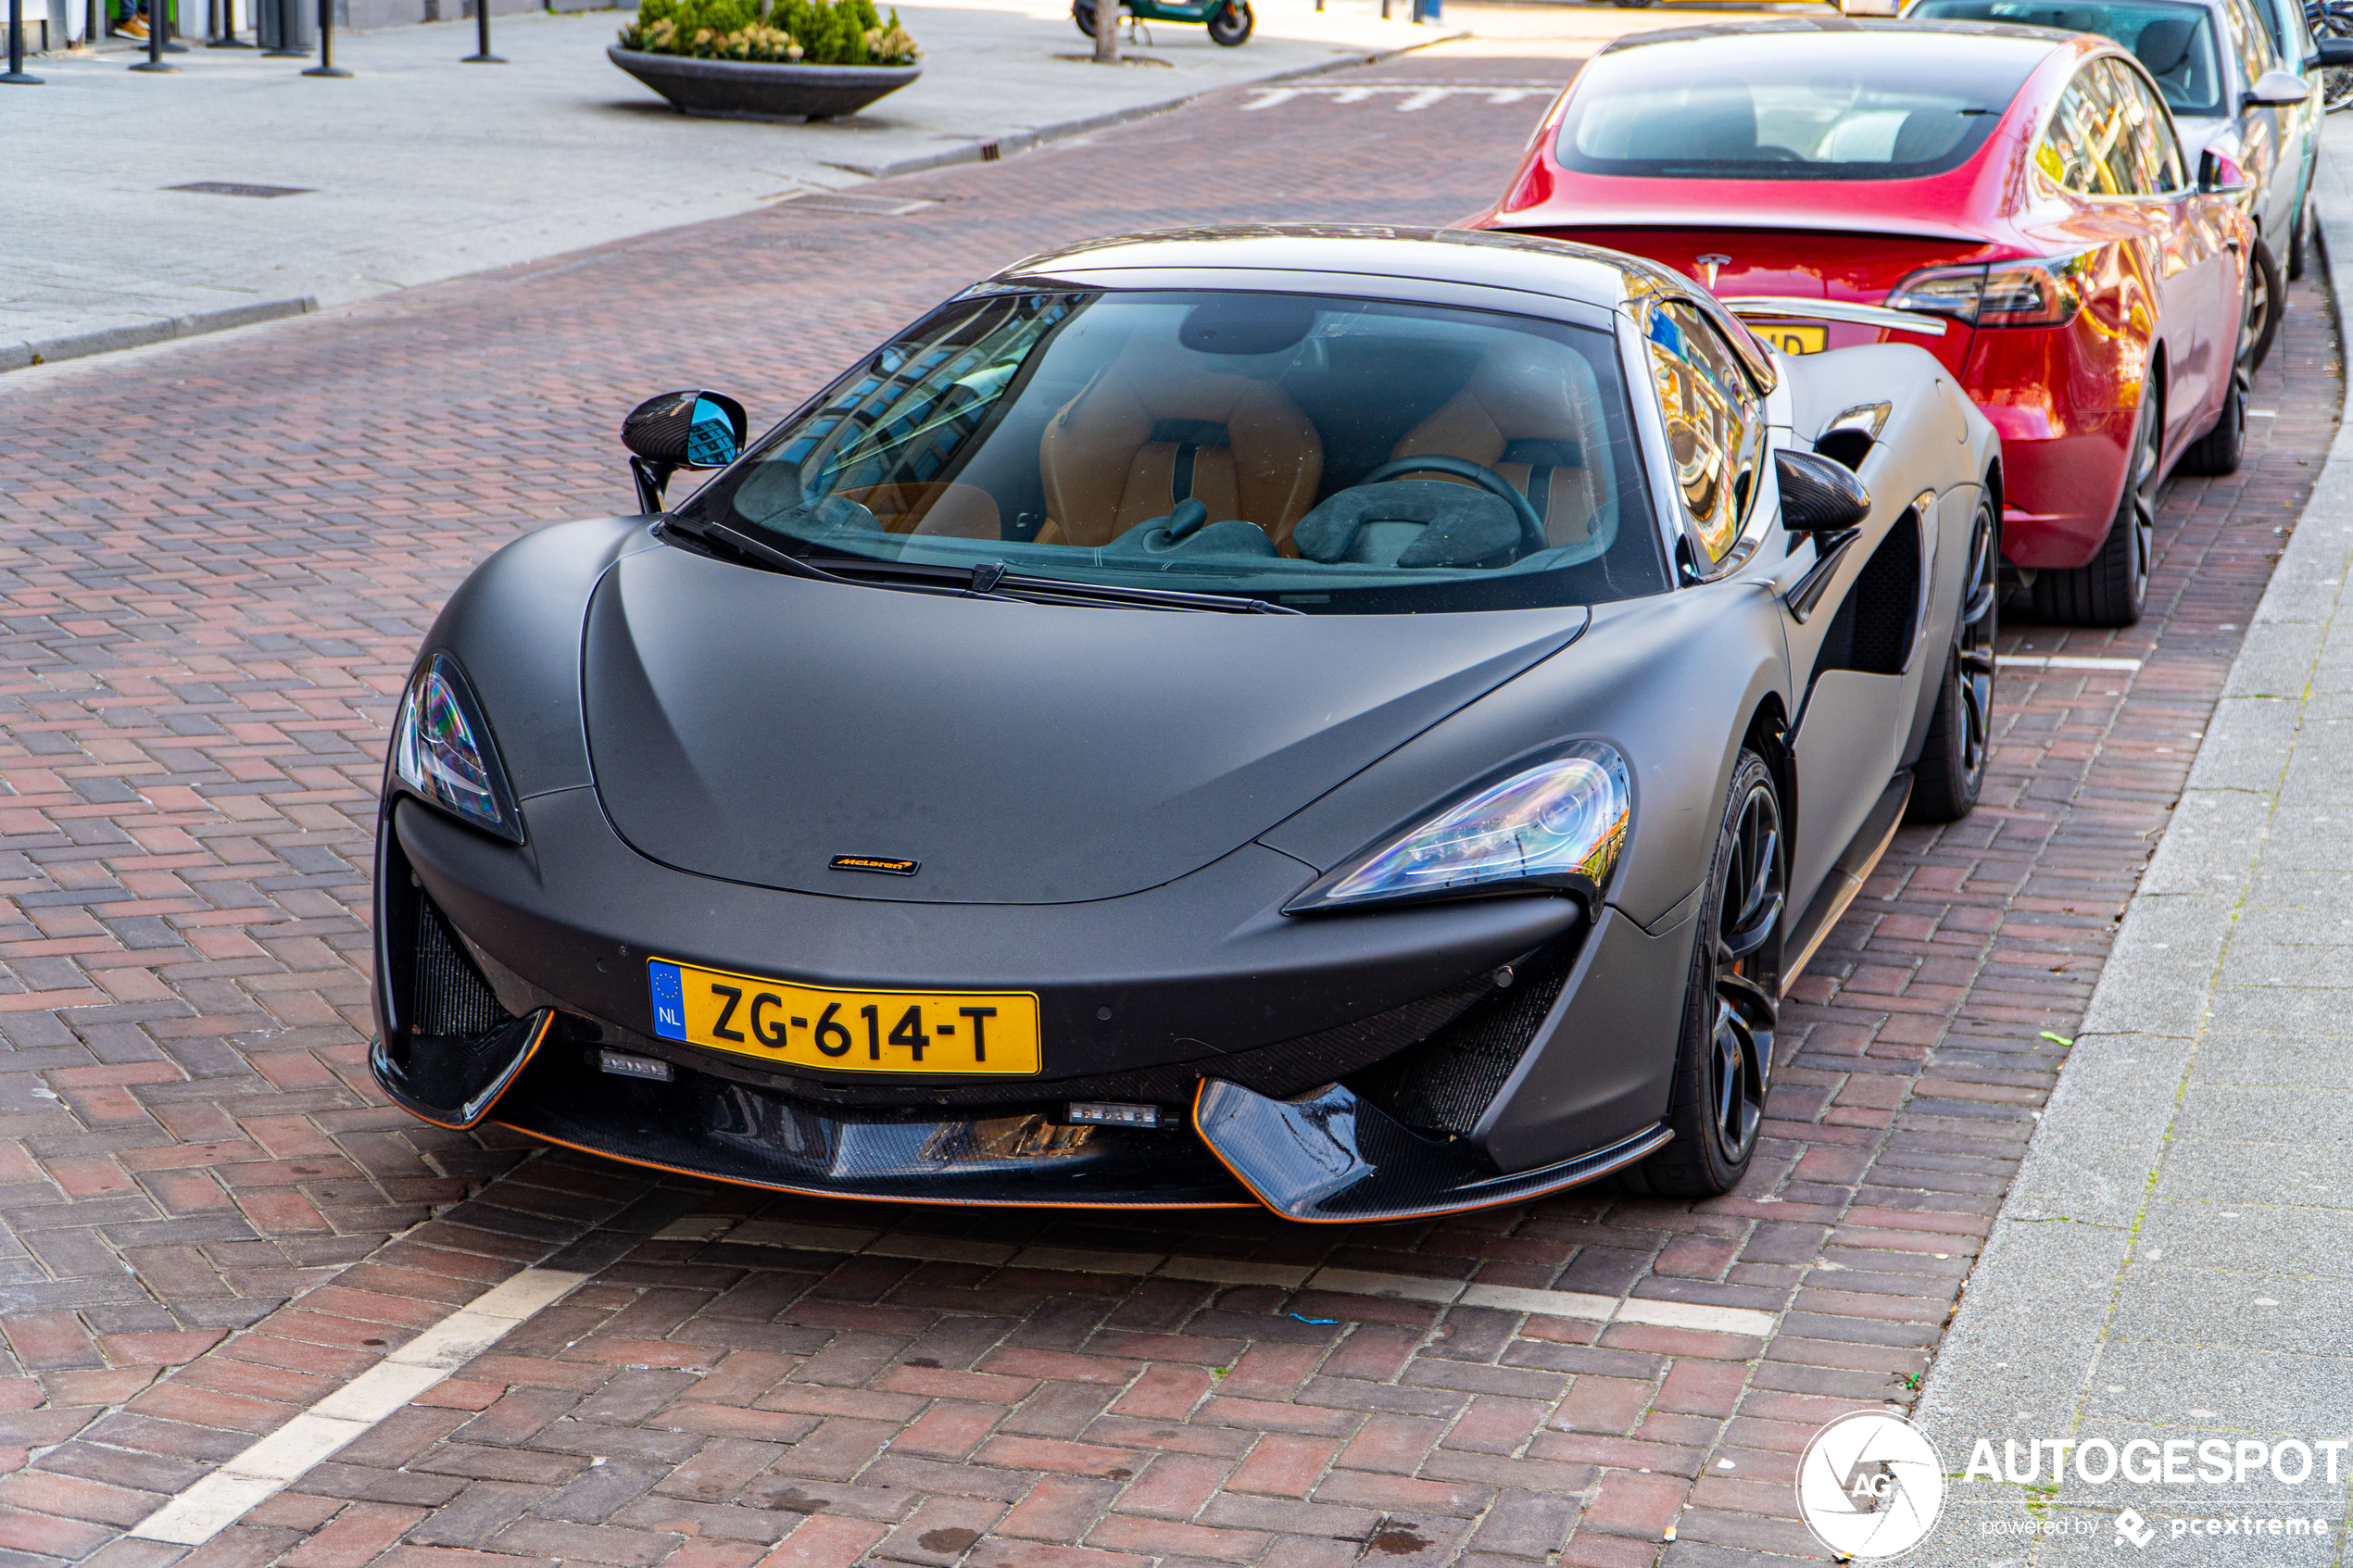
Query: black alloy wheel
1961,733
1724,1060
2113,587
1231,26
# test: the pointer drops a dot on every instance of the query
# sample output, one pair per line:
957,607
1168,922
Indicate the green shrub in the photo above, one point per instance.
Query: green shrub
849,32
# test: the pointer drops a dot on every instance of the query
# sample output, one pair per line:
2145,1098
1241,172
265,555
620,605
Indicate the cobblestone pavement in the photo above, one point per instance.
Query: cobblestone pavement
213,1222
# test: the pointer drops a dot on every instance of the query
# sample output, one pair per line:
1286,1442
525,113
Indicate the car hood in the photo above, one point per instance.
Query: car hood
756,727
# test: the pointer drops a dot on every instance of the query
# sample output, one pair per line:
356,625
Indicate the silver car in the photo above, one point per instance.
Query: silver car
2220,66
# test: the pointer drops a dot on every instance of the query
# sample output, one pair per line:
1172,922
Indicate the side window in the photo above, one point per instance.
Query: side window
2065,154
1713,424
2251,39
2161,145
2091,147
2115,107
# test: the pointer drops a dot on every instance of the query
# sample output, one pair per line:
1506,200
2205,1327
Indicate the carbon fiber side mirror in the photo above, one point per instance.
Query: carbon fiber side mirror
681,430
1818,496
687,429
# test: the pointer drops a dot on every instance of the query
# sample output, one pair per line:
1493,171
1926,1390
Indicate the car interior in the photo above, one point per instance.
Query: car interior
2175,42
1199,427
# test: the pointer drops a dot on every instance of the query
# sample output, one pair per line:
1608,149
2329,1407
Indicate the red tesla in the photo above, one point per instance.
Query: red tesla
2013,200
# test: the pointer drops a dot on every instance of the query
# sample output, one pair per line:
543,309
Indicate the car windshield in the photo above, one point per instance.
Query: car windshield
1791,105
2175,42
1318,454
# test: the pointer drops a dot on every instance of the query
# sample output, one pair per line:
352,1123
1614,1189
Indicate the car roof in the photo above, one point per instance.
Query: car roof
2030,44
1280,253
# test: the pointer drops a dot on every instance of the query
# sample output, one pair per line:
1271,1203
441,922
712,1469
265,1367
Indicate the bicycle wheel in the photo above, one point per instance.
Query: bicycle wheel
2336,21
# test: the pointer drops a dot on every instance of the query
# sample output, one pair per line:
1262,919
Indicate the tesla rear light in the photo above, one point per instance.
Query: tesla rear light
1556,824
2042,292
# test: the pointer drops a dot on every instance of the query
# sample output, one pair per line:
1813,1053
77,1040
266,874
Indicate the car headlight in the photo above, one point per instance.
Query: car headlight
1558,823
442,752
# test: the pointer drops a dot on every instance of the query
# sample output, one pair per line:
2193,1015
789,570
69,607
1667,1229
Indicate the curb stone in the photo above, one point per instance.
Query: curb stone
107,340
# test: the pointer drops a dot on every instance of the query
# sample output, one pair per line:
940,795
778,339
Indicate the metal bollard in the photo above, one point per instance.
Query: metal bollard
226,38
326,66
17,77
155,12
482,55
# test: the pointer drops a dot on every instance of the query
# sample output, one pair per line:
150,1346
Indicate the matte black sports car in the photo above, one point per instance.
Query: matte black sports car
1365,721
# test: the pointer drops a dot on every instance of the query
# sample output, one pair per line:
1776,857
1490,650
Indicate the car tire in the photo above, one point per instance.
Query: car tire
2300,237
2267,303
2219,449
2111,588
1231,27
1084,15
1950,771
1724,1056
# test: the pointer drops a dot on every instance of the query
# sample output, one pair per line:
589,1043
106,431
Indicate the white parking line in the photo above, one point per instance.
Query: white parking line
1410,96
1745,1321
276,1462
2062,662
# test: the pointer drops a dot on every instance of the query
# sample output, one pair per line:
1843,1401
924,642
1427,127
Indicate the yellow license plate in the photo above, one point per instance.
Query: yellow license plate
916,1031
1792,340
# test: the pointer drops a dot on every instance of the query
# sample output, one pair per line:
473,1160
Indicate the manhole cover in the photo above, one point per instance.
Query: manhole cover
230,188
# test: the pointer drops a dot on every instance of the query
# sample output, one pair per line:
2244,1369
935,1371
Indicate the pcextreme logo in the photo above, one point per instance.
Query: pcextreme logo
1869,1485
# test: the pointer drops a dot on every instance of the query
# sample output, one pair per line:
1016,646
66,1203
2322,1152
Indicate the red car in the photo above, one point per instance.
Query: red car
2013,200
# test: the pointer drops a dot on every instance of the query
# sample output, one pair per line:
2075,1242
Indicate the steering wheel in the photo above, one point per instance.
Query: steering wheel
1531,527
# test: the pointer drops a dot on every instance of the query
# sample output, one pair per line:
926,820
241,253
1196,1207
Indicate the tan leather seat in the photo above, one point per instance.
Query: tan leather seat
1529,413
962,511
1162,425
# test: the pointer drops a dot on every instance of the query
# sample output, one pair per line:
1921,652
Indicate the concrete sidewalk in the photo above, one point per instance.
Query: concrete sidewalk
2175,1259
421,168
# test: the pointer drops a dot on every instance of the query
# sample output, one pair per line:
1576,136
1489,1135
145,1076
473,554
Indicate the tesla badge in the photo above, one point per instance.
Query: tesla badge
1708,266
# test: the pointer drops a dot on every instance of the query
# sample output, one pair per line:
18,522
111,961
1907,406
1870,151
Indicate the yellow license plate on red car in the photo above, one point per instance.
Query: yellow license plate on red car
1792,339
935,1033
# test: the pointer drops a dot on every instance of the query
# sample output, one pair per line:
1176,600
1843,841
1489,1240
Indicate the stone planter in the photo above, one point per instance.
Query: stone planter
760,89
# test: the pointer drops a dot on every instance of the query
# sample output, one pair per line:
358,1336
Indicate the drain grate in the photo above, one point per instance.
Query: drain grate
864,207
230,188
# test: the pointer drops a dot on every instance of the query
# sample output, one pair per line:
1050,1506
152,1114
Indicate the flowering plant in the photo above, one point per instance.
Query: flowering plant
849,32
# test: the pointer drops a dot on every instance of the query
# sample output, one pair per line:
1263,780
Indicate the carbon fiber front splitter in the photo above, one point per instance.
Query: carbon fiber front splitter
709,1126
1328,1157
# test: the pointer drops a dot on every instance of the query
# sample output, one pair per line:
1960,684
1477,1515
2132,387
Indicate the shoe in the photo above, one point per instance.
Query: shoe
132,26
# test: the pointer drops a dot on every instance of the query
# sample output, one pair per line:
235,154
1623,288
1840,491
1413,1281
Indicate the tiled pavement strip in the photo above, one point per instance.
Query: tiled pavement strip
216,1223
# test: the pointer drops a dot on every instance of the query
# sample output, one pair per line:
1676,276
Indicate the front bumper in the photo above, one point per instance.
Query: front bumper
1407,1067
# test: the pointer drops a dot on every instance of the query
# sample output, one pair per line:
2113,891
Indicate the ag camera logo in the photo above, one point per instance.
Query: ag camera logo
1869,1485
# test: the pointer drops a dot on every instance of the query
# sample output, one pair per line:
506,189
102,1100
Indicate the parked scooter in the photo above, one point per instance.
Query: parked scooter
1229,20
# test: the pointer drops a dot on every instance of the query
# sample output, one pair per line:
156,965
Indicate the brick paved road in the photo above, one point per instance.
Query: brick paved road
202,643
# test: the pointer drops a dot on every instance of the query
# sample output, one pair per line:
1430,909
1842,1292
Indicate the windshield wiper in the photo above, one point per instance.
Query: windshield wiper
757,552
1049,590
744,547
994,580
989,580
